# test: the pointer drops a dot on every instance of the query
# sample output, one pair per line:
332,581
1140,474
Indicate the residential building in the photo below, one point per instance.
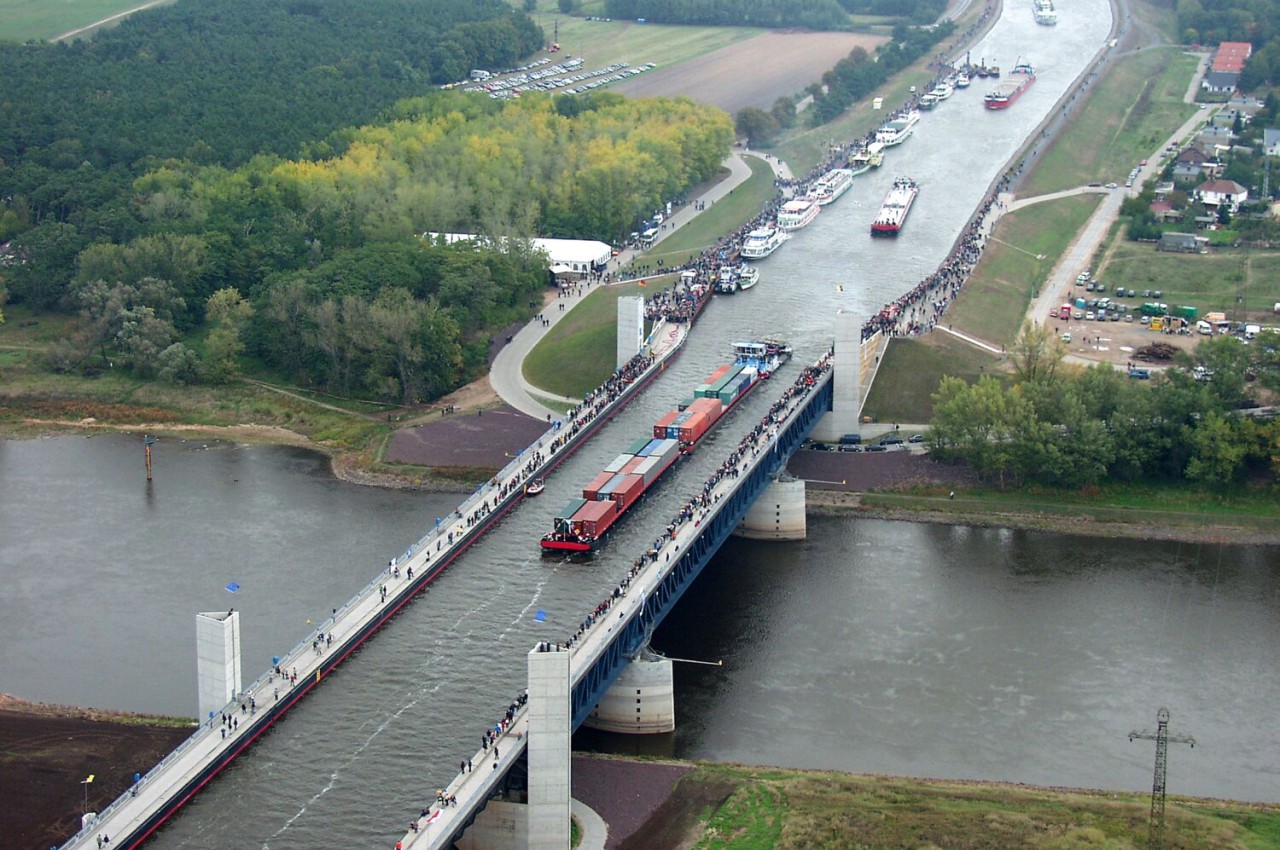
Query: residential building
1218,193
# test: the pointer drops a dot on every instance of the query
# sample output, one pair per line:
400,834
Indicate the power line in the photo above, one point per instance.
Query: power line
1155,829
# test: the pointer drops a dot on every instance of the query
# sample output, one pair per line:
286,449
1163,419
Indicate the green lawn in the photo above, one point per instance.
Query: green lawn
1128,116
23,20
912,369
578,353
602,43
991,305
1206,281
724,216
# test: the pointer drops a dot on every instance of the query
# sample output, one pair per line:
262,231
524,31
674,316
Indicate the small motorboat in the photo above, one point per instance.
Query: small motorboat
534,487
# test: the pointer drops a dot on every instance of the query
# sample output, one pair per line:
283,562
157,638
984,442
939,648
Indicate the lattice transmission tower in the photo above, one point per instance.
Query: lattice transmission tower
1155,830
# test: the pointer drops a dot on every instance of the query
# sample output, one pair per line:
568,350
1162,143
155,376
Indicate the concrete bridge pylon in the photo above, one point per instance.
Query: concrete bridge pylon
848,368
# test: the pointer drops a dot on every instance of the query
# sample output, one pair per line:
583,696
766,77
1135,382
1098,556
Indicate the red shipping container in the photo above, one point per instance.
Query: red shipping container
717,374
660,427
693,428
592,491
631,467
594,518
628,491
709,407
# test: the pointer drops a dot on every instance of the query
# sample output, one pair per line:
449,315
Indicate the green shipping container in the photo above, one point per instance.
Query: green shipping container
636,447
1185,312
570,509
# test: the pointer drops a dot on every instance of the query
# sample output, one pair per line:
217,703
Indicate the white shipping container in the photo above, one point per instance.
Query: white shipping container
618,462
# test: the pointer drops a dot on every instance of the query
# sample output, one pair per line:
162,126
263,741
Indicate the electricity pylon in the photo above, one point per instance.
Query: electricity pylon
1155,830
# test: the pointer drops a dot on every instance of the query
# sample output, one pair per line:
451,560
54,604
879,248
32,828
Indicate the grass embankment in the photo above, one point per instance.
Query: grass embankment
578,353
916,367
1146,509
775,808
724,216
1015,264
1128,116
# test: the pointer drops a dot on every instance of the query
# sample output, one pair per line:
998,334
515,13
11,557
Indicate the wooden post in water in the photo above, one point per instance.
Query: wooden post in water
147,442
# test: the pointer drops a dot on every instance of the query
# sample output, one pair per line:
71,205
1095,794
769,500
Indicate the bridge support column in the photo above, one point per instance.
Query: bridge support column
217,660
847,371
550,736
778,513
640,702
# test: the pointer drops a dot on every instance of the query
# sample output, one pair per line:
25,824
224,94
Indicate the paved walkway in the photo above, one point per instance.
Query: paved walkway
595,832
506,375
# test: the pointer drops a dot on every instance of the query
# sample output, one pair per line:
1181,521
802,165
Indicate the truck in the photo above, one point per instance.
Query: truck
1184,312
1155,308
1064,312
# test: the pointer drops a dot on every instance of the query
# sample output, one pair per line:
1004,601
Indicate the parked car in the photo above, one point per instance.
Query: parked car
890,441
916,438
877,447
851,439
1140,374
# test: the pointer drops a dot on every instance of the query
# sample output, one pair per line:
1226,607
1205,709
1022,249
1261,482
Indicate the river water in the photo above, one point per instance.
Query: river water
871,646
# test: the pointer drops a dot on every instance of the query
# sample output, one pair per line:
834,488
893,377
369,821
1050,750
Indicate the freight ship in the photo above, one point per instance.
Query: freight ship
831,185
798,213
582,523
893,212
899,128
1004,95
762,242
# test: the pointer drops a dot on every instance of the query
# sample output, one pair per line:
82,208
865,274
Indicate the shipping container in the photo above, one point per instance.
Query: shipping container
684,403
660,427
634,448
1185,312
691,430
716,375
594,517
652,446
607,490
618,462
570,509
628,489
630,468
668,449
651,468
592,491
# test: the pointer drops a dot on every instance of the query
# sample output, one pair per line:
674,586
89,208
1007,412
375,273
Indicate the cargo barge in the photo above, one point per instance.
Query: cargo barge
581,524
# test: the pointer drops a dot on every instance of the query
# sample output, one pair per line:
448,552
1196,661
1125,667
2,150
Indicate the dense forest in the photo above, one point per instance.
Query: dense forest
219,81
809,14
1076,429
316,264
1255,21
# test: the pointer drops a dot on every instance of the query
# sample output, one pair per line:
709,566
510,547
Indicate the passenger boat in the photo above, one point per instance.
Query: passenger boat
798,213
962,80
582,523
762,242
893,212
872,156
942,91
1044,12
535,487
1007,93
735,278
831,185
898,129
927,101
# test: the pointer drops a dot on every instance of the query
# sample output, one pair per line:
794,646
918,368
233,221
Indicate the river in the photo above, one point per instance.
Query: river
942,651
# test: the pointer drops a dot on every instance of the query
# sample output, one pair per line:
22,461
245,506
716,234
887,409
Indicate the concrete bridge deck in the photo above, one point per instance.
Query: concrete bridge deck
132,817
637,599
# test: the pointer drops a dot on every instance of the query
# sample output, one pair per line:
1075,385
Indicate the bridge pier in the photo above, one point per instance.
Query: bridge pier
848,366
778,514
218,673
641,701
550,747
630,328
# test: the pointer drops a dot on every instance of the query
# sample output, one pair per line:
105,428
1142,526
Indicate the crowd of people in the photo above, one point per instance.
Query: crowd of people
696,509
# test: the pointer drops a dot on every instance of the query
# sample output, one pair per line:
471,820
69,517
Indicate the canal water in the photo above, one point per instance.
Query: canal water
871,646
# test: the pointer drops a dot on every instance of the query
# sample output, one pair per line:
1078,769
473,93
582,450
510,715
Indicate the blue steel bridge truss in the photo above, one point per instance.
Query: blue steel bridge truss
589,689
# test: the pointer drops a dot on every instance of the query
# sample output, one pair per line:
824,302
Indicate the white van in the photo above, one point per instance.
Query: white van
1204,328
1250,331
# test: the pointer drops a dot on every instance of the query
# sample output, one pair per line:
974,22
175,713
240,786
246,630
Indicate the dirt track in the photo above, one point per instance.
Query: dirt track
755,72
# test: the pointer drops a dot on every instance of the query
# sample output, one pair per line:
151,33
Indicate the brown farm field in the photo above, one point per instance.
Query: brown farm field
755,72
